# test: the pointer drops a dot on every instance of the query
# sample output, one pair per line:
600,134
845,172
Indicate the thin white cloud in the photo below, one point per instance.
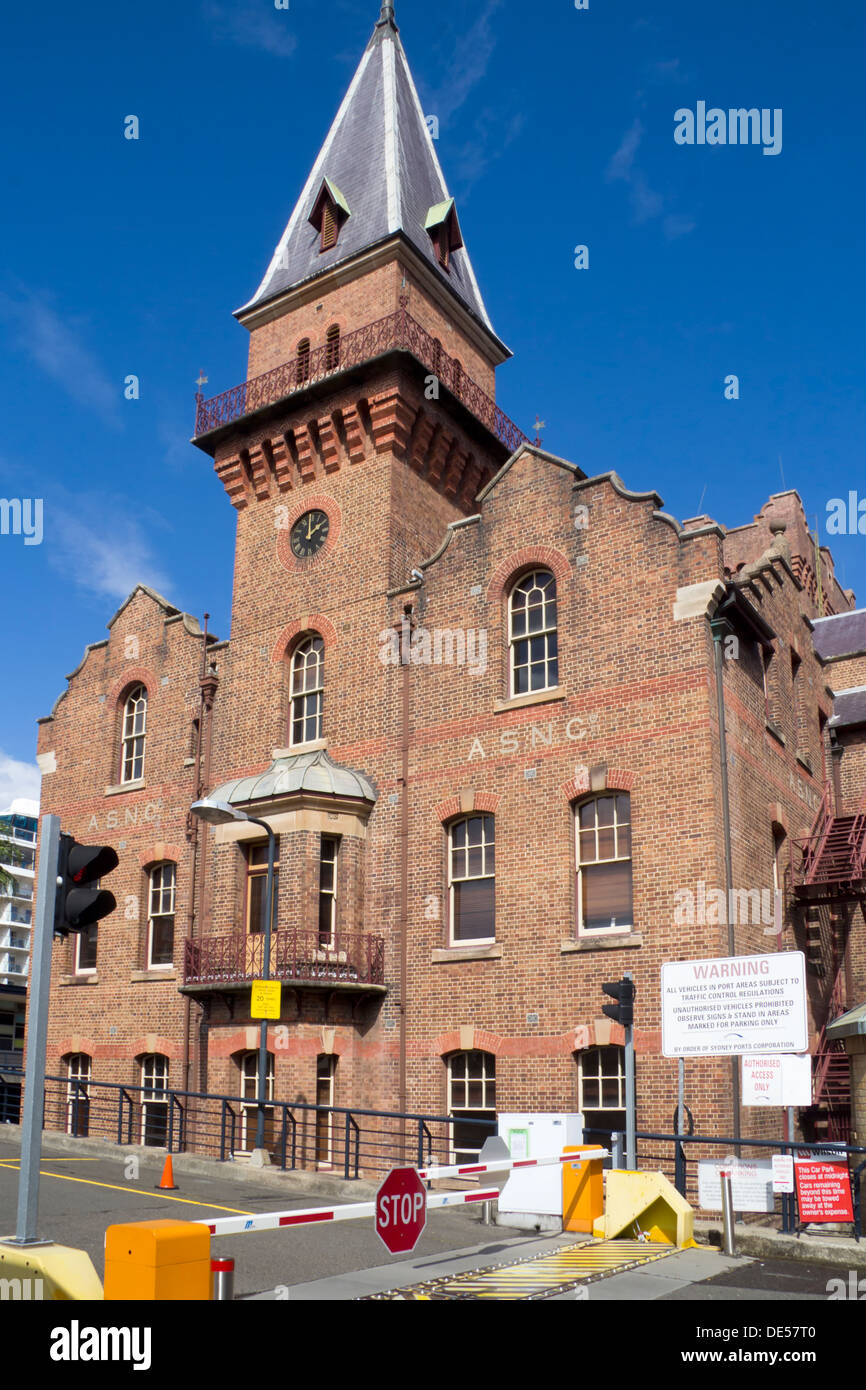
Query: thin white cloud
17,779
58,347
469,63
252,24
646,202
95,543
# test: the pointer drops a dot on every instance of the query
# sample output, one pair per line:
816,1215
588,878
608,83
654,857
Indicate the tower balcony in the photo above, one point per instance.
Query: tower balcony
397,332
352,961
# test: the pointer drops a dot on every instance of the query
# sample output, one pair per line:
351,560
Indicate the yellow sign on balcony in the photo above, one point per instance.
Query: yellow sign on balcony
266,999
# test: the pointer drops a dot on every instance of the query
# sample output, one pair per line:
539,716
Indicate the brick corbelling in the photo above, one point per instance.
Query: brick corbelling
329,444
466,804
314,622
260,471
307,503
305,451
282,461
133,675
160,852
356,444
391,420
438,453
422,436
230,472
544,555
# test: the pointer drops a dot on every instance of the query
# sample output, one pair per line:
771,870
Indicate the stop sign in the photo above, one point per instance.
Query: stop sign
401,1210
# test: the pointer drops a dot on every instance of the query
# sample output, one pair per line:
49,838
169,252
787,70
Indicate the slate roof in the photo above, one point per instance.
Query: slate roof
849,708
380,154
842,635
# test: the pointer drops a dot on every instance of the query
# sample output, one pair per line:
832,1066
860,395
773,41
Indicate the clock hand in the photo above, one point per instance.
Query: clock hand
309,535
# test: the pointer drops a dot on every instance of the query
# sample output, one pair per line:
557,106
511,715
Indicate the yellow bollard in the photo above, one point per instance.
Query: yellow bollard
158,1261
582,1191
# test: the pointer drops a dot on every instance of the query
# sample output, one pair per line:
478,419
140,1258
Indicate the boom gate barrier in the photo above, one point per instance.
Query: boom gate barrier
154,1276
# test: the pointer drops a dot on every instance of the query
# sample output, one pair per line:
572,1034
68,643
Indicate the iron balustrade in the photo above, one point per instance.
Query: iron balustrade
349,958
685,1180
299,1135
395,332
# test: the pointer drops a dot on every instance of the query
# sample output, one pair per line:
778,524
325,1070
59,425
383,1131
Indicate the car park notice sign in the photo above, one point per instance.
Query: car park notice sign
751,1184
734,1005
823,1191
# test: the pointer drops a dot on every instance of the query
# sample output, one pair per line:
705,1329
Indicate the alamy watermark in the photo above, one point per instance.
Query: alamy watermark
22,516
737,126
711,907
443,646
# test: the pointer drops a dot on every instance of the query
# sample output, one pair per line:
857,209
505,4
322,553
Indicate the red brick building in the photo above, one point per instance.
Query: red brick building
473,692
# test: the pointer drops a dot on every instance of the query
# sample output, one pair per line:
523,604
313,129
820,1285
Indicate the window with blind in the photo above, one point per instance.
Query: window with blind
472,881
257,881
604,867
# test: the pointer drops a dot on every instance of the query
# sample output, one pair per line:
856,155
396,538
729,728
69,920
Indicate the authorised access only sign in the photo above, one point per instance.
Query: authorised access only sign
734,1005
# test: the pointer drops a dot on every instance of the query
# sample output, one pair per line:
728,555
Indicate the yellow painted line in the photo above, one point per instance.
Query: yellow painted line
141,1192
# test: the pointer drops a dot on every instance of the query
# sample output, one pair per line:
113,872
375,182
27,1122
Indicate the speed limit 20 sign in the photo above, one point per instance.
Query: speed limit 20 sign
401,1210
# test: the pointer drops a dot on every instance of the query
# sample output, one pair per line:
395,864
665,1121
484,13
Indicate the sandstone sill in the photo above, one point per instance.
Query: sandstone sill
125,787
451,954
78,980
540,697
628,941
143,977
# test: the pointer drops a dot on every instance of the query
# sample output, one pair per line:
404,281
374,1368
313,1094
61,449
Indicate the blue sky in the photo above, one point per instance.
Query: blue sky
556,129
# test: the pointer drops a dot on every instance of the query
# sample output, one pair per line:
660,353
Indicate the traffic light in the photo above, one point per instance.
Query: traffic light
623,1011
78,905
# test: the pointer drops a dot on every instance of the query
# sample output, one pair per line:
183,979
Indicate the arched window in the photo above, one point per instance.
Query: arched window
160,924
601,1088
471,1097
532,635
302,369
307,691
154,1100
133,735
78,1066
471,879
249,1069
603,857
332,348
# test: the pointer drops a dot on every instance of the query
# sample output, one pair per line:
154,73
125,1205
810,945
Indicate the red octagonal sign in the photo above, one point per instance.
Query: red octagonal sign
401,1210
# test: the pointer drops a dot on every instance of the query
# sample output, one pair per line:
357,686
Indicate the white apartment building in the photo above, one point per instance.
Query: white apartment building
18,828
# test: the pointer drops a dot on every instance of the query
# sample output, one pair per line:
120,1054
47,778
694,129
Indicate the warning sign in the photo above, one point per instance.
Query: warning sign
823,1191
735,1005
266,999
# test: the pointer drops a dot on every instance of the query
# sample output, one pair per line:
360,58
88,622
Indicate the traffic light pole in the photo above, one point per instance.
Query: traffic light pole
42,941
630,1096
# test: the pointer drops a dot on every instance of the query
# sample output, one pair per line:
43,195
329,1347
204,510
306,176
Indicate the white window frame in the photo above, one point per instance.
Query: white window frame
156,897
133,732
488,847
78,968
154,1089
548,631
599,1077
308,656
458,1108
79,1067
332,863
249,1070
617,928
331,1079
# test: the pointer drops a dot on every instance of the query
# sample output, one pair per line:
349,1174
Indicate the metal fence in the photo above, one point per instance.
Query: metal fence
669,1154
353,1142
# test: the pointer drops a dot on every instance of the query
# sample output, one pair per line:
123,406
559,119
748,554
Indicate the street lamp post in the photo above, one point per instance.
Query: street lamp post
221,813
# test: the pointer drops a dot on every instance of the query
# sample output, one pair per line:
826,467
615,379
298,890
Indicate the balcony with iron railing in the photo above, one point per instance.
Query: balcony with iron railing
397,332
348,960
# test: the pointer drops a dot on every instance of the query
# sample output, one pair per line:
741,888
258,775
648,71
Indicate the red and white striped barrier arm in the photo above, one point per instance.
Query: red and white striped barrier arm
353,1211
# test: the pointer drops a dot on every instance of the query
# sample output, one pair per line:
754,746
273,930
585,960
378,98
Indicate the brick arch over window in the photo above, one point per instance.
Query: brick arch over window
153,1044
160,853
314,622
614,779
466,803
468,1038
74,1043
132,676
510,569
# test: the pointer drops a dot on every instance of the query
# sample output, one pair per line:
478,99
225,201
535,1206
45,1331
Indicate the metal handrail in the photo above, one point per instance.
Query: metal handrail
397,331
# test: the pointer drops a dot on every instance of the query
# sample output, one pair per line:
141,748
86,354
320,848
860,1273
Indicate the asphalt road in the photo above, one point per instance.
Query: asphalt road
81,1196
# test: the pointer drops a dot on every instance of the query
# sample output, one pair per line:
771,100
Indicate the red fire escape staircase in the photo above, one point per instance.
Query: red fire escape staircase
831,875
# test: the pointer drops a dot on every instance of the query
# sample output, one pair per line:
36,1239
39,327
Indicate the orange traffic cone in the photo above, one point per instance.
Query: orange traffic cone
167,1181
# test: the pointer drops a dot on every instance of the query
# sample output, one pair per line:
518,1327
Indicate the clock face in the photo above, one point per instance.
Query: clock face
309,534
